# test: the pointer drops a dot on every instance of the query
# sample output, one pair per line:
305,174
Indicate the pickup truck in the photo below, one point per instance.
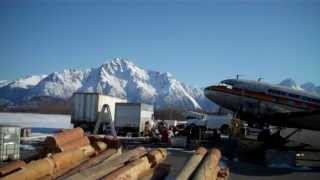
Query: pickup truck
207,122
211,121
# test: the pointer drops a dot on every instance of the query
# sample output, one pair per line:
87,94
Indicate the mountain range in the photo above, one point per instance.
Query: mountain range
119,78
308,87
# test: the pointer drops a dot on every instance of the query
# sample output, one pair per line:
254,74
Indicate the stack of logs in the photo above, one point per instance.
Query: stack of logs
204,165
131,165
65,141
73,155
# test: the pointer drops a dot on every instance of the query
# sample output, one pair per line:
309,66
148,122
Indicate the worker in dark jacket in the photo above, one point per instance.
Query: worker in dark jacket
165,135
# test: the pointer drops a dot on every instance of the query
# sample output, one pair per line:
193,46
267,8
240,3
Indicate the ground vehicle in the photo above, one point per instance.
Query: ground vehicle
131,118
208,121
87,109
199,124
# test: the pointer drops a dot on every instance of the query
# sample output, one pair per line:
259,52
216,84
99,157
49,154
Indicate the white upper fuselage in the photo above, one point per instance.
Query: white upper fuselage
260,98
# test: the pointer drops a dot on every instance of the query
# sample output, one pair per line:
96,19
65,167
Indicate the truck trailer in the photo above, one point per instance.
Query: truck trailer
131,118
88,108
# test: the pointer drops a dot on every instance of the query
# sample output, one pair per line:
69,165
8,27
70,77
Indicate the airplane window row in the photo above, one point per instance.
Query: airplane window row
277,92
293,95
310,99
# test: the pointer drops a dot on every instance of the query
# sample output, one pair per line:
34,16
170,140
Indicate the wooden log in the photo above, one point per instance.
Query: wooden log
87,150
158,172
70,158
109,165
52,144
48,167
99,146
89,163
156,156
33,170
84,141
11,167
192,164
65,137
208,169
65,170
64,164
109,140
131,171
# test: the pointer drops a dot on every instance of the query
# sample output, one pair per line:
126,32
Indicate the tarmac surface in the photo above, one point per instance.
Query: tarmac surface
308,166
243,170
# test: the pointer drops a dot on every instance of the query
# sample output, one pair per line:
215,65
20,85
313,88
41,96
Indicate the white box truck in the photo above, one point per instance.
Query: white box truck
131,118
87,109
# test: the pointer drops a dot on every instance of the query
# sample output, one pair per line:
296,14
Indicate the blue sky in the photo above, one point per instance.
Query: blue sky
199,42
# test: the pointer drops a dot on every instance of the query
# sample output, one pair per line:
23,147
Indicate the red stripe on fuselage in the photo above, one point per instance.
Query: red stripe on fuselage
267,97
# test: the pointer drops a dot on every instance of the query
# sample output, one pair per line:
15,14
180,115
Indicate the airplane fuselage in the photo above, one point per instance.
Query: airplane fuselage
256,99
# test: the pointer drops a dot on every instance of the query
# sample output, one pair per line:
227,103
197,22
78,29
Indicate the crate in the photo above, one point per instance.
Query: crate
9,143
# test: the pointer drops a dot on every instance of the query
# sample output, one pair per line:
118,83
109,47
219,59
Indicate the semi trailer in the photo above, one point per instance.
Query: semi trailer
92,111
130,118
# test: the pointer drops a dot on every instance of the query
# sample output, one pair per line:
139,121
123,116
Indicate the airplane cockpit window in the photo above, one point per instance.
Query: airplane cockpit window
227,83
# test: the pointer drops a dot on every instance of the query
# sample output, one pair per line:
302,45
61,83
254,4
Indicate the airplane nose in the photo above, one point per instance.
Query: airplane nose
212,94
209,92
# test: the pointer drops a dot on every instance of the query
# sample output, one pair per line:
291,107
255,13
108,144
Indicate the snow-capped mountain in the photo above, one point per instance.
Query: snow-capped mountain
26,82
308,87
4,83
16,90
124,79
290,83
119,78
60,85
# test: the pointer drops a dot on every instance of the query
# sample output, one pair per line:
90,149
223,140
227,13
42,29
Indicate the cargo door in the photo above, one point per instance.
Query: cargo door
84,107
127,116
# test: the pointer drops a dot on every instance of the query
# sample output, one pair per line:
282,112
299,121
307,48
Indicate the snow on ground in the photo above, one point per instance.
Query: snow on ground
40,123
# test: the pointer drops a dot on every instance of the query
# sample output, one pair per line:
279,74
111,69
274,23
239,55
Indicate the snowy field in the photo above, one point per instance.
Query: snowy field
41,123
